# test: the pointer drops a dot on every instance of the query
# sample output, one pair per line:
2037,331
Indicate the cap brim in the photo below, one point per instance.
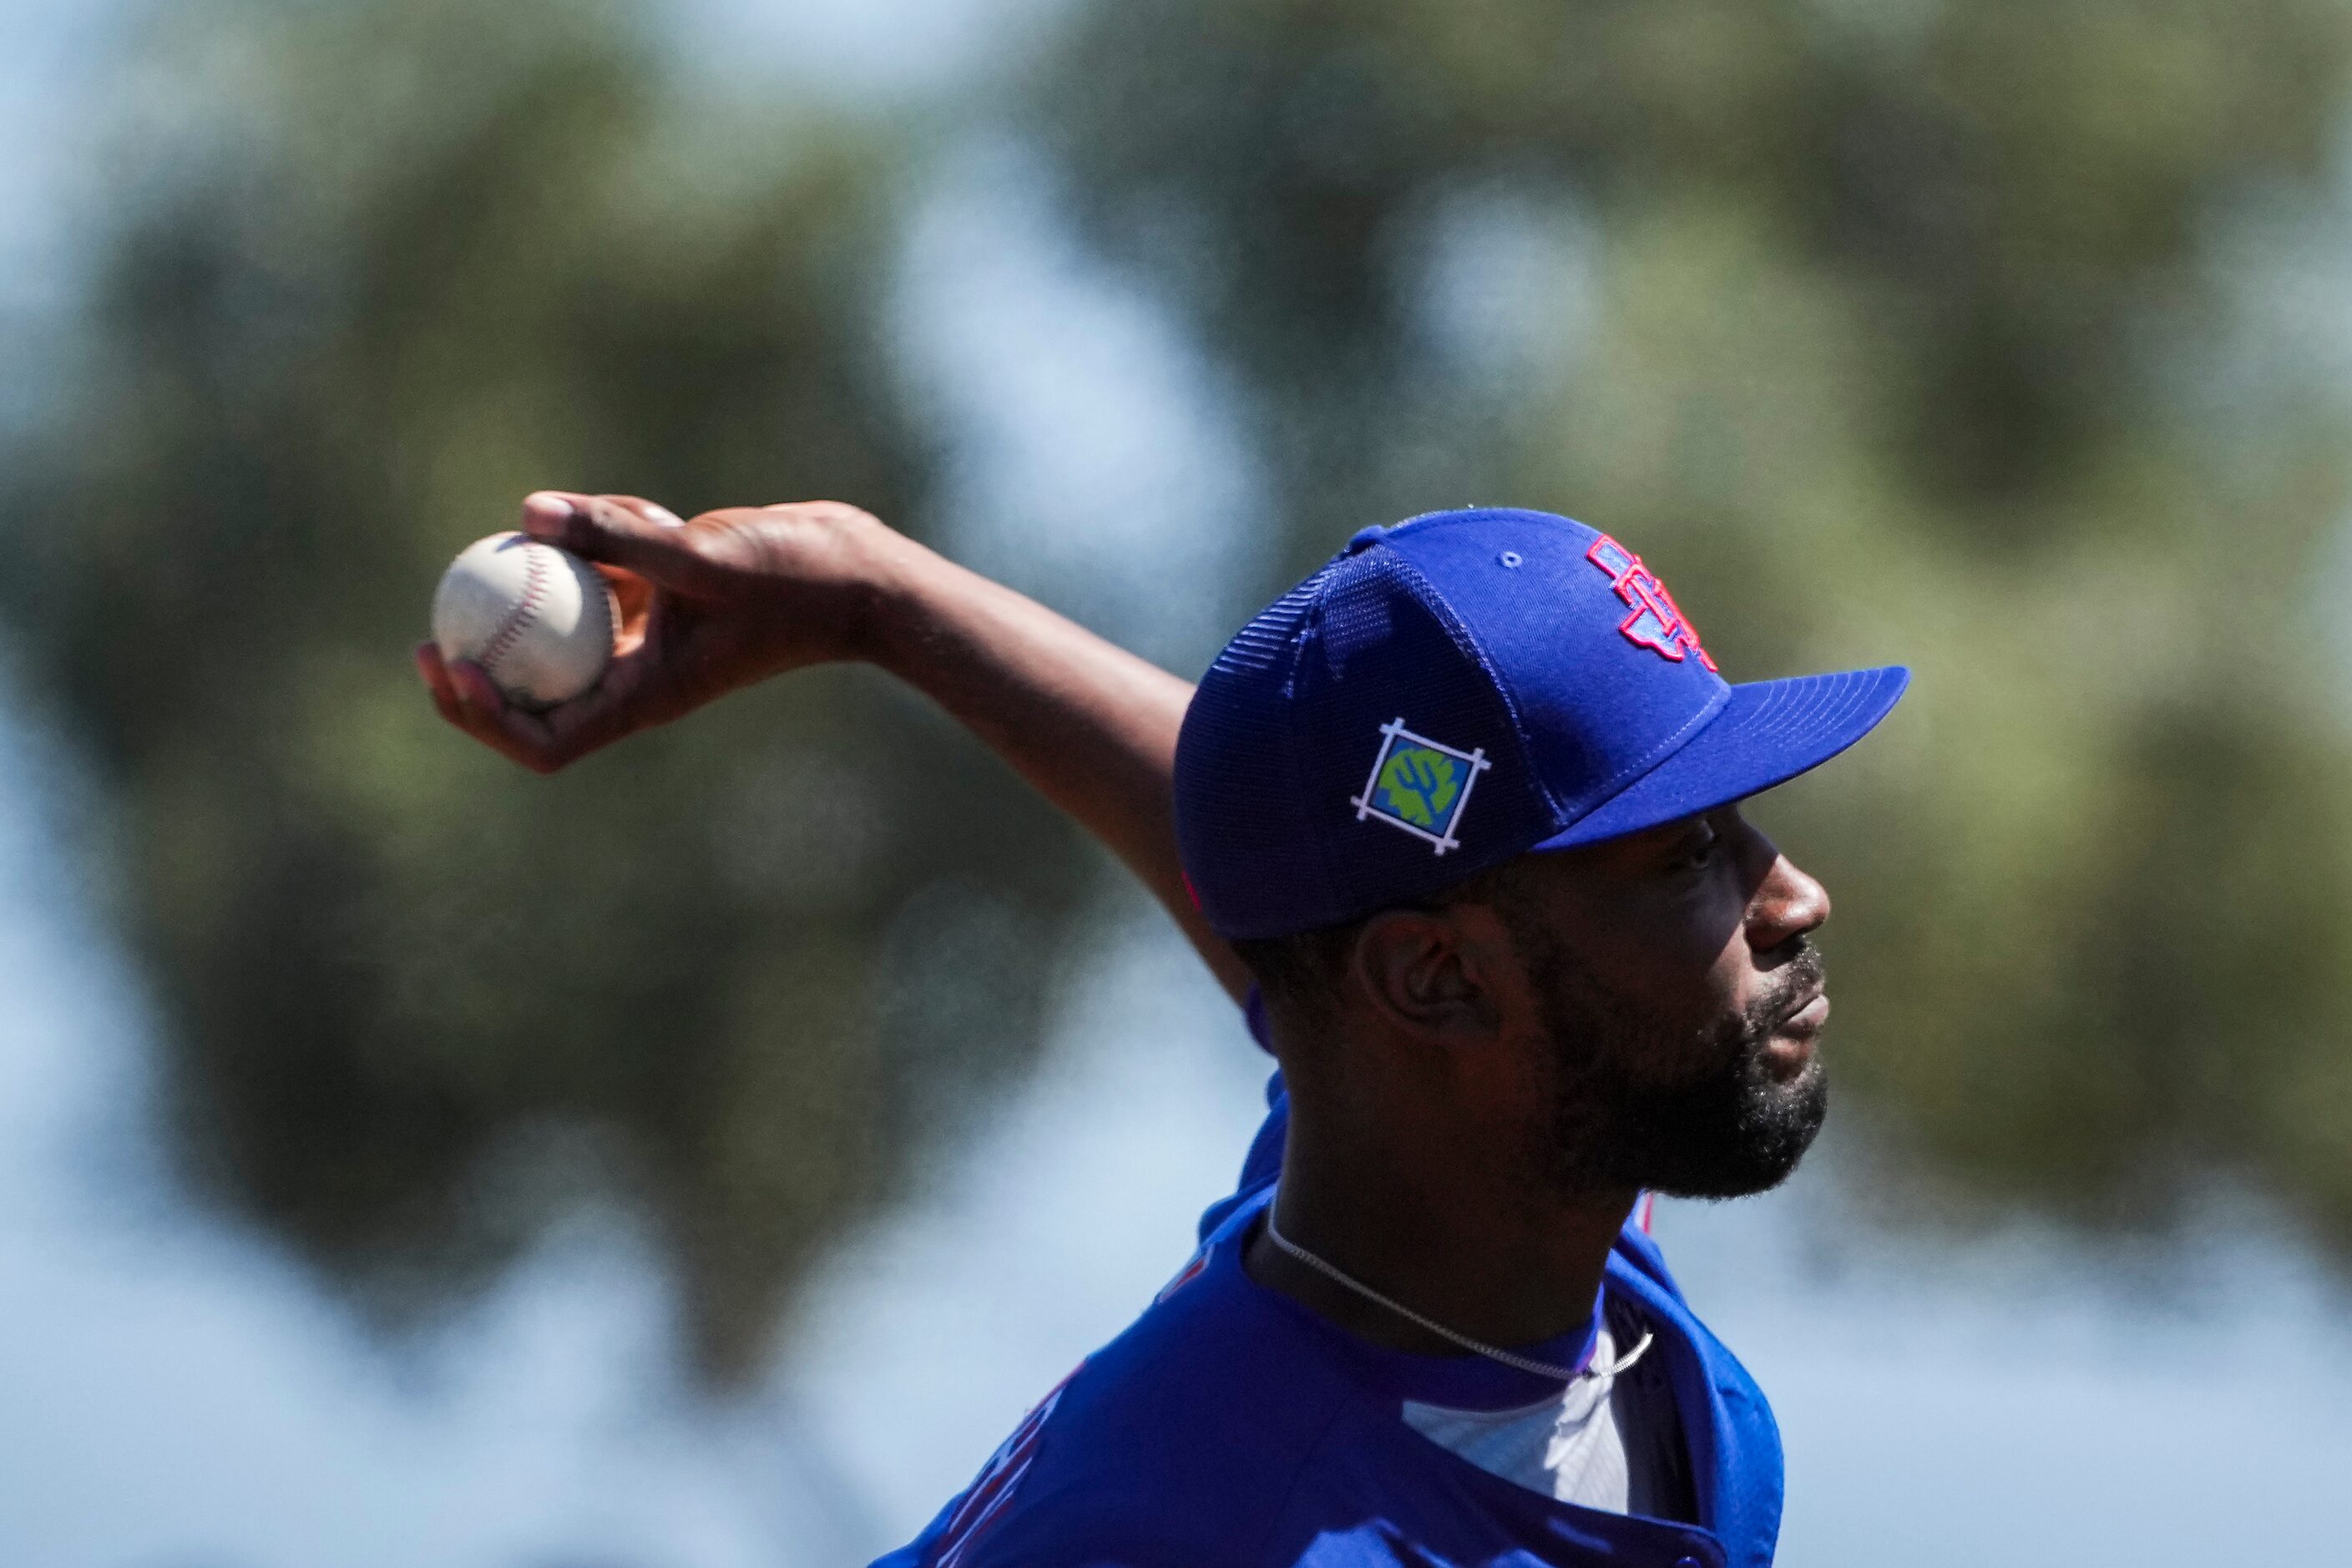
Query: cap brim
1768,733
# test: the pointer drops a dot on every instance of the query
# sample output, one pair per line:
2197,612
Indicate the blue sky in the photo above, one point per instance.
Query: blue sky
176,1393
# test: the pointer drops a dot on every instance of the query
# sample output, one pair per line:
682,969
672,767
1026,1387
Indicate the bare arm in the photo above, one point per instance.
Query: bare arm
1088,724
735,597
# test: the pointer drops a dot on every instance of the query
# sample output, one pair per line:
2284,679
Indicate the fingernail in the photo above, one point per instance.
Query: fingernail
664,516
545,513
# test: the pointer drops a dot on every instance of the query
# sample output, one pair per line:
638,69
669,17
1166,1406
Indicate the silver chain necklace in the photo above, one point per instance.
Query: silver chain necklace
1541,1369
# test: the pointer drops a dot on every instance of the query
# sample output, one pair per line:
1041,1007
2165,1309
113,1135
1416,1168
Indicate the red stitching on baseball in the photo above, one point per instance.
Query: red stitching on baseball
519,619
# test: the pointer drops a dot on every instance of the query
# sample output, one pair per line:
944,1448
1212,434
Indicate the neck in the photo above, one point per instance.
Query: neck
1441,1223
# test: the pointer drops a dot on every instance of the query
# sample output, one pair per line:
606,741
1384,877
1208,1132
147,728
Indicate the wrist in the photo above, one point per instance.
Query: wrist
904,583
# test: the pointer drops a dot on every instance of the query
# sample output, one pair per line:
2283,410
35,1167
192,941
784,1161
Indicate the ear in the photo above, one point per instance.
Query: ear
1431,974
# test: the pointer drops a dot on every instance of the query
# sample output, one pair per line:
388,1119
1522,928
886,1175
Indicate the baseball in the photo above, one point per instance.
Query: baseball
537,620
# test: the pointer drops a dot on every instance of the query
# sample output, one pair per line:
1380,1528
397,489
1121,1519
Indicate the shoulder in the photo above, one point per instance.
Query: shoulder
1176,1444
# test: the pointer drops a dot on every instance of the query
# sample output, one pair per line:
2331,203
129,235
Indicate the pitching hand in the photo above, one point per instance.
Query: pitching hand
705,606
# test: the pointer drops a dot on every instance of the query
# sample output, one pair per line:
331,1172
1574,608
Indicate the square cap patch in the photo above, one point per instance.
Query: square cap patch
1420,784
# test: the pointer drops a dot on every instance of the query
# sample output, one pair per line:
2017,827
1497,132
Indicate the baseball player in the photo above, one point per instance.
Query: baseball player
1457,819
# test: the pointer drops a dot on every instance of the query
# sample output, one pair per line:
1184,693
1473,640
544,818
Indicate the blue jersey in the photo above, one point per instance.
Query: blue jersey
1230,1428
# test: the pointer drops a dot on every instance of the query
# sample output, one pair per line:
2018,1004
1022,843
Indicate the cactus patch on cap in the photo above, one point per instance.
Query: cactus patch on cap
1420,785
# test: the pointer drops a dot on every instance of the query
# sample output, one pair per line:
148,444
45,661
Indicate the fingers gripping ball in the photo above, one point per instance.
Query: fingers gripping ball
537,620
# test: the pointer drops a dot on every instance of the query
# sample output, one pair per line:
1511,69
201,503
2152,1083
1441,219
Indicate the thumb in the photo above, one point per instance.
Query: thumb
618,530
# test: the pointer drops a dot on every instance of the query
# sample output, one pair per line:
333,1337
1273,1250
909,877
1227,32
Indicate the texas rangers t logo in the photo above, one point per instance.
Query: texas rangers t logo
1420,785
1656,623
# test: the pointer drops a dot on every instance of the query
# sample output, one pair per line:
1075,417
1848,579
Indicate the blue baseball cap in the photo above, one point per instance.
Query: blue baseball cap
1458,689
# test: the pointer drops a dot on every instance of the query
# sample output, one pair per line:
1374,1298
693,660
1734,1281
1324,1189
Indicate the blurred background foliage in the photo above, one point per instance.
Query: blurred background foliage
1911,334
1915,333
380,271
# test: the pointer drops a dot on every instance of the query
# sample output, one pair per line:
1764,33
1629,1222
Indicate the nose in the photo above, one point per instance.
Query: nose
1786,903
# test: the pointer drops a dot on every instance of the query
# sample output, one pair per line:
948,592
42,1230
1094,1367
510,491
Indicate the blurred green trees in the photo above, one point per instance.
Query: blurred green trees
385,268
1886,333
1889,334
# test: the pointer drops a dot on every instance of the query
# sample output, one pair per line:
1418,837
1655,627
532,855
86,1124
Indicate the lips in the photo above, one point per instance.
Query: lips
1795,1040
1808,1016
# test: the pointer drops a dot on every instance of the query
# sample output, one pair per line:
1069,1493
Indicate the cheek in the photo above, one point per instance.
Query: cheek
1652,978
1653,1023
1679,953
1691,985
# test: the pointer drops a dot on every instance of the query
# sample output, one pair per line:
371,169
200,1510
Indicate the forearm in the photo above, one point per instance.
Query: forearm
736,595
1092,727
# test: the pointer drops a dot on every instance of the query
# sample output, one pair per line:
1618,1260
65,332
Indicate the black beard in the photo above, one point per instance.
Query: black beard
1638,1105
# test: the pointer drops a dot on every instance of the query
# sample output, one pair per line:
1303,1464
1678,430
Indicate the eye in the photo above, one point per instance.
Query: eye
1697,851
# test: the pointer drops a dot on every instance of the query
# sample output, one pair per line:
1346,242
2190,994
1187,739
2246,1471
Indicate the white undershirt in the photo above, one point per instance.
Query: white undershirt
1605,1442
